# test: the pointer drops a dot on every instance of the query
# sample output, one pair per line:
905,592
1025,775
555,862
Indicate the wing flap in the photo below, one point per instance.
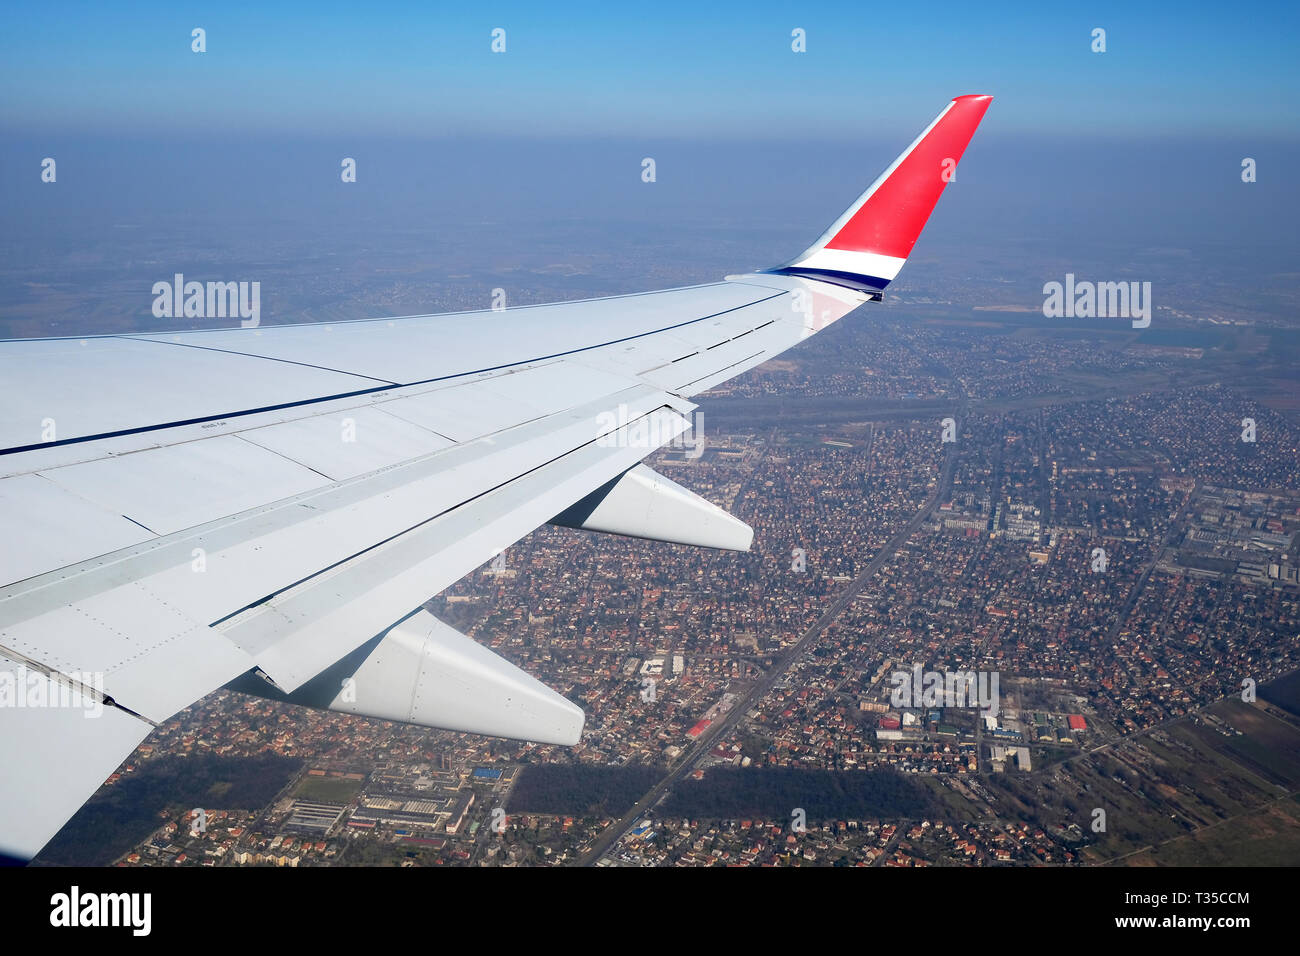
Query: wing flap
320,572
297,634
56,746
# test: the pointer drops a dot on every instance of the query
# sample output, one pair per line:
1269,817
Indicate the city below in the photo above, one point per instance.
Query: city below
1095,528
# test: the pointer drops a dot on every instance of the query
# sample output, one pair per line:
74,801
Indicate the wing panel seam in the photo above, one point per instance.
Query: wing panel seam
140,429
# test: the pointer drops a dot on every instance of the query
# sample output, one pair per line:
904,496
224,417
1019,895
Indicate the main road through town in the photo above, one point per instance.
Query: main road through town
704,743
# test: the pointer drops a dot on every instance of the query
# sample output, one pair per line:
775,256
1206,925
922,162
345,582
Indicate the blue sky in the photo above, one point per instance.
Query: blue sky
688,71
228,161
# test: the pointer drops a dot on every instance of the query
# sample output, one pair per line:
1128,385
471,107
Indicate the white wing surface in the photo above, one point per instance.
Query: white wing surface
269,508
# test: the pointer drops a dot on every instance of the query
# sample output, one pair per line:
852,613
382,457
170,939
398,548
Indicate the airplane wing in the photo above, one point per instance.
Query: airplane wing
268,508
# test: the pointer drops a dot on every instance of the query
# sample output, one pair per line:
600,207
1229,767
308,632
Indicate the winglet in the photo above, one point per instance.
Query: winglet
866,247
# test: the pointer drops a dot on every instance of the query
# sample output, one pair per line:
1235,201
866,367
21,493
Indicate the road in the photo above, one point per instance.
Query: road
704,743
